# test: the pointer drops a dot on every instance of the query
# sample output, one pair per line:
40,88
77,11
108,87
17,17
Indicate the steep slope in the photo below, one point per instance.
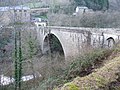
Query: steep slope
104,78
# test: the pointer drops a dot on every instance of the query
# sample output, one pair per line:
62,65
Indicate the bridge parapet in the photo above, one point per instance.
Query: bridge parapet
80,29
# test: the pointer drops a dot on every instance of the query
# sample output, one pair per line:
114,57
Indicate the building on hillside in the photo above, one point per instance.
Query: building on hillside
5,16
40,24
21,14
39,21
14,14
82,10
36,19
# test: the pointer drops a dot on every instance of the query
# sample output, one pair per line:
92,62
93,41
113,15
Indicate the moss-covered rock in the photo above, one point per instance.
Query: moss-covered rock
70,86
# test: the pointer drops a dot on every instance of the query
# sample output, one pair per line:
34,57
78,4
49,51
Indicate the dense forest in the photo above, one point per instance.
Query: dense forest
93,4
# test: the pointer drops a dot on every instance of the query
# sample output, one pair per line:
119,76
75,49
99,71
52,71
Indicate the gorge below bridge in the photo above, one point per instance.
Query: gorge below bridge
76,40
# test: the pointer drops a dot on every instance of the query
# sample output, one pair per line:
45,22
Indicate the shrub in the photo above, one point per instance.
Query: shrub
84,64
76,68
105,78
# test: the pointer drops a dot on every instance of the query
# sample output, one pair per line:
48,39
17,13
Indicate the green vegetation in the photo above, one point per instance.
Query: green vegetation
6,36
94,20
31,47
93,4
99,79
79,67
103,78
55,44
84,64
18,59
18,23
36,5
41,16
71,86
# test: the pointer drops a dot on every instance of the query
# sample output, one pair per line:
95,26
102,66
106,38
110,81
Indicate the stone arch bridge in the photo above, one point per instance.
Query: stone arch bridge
75,40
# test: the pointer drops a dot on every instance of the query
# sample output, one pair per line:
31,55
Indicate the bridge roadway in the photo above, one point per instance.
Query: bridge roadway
76,40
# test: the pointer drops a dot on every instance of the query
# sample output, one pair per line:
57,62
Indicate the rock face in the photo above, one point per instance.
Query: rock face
114,4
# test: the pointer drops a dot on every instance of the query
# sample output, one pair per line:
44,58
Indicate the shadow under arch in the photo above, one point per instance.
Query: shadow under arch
52,43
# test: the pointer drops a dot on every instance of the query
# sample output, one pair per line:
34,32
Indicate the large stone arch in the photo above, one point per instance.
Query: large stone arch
70,41
59,39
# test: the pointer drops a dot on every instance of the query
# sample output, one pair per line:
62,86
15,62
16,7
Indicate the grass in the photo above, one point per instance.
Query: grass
36,5
71,86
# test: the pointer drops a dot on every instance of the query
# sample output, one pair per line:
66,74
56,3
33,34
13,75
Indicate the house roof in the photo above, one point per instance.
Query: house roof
80,7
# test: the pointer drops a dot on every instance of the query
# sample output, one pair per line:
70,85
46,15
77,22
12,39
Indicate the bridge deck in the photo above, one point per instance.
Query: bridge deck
115,31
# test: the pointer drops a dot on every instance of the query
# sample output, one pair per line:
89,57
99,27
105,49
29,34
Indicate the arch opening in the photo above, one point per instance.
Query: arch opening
52,45
110,42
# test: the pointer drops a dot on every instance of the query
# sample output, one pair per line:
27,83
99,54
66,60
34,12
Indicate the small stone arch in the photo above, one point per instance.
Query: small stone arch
110,42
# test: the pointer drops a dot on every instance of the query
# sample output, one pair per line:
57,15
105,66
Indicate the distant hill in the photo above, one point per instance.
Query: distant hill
99,4
93,4
113,4
14,2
